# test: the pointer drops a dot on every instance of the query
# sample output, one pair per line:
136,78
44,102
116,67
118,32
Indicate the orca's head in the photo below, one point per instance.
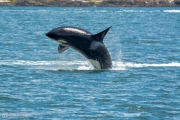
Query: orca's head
65,34
57,34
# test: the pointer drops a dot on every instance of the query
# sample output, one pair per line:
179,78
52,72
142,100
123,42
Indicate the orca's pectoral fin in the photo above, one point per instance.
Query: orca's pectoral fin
62,48
100,36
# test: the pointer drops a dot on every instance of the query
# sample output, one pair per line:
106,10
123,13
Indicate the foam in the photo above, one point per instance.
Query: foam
172,11
126,65
80,65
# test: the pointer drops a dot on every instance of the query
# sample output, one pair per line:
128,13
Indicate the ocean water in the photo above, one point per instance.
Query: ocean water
36,82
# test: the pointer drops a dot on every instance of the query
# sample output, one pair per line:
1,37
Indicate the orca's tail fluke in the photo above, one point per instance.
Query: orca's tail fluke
100,36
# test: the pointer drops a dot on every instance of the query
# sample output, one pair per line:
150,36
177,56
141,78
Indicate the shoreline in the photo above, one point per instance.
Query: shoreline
105,3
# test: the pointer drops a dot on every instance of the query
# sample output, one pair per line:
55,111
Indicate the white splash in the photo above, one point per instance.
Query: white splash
172,11
79,65
126,65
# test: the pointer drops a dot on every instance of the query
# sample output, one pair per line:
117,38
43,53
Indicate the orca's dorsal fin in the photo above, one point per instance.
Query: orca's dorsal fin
100,36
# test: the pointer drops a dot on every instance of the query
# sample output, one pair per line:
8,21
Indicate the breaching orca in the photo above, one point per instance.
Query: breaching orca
89,45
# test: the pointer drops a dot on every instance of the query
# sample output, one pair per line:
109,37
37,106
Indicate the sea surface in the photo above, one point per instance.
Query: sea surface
37,82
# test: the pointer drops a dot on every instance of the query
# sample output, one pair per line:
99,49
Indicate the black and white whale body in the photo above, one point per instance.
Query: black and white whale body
90,46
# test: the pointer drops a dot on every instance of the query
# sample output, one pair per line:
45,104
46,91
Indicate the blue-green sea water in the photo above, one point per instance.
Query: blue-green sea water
36,82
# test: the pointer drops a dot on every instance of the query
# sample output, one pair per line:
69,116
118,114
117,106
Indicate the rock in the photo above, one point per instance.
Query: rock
177,2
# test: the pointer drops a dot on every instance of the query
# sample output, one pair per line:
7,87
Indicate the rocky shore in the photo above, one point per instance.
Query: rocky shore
101,3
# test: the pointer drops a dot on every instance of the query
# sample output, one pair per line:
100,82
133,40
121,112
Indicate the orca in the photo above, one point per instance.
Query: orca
89,45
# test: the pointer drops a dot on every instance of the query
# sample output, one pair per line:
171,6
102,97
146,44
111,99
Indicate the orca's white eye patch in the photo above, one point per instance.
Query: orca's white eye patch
62,41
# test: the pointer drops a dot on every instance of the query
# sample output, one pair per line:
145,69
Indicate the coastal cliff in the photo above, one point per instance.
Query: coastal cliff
109,3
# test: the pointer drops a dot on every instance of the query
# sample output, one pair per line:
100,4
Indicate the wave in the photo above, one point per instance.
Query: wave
117,65
79,65
138,11
172,11
48,65
98,11
148,11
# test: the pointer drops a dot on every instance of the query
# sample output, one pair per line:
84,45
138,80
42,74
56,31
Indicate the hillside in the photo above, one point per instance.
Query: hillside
123,3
